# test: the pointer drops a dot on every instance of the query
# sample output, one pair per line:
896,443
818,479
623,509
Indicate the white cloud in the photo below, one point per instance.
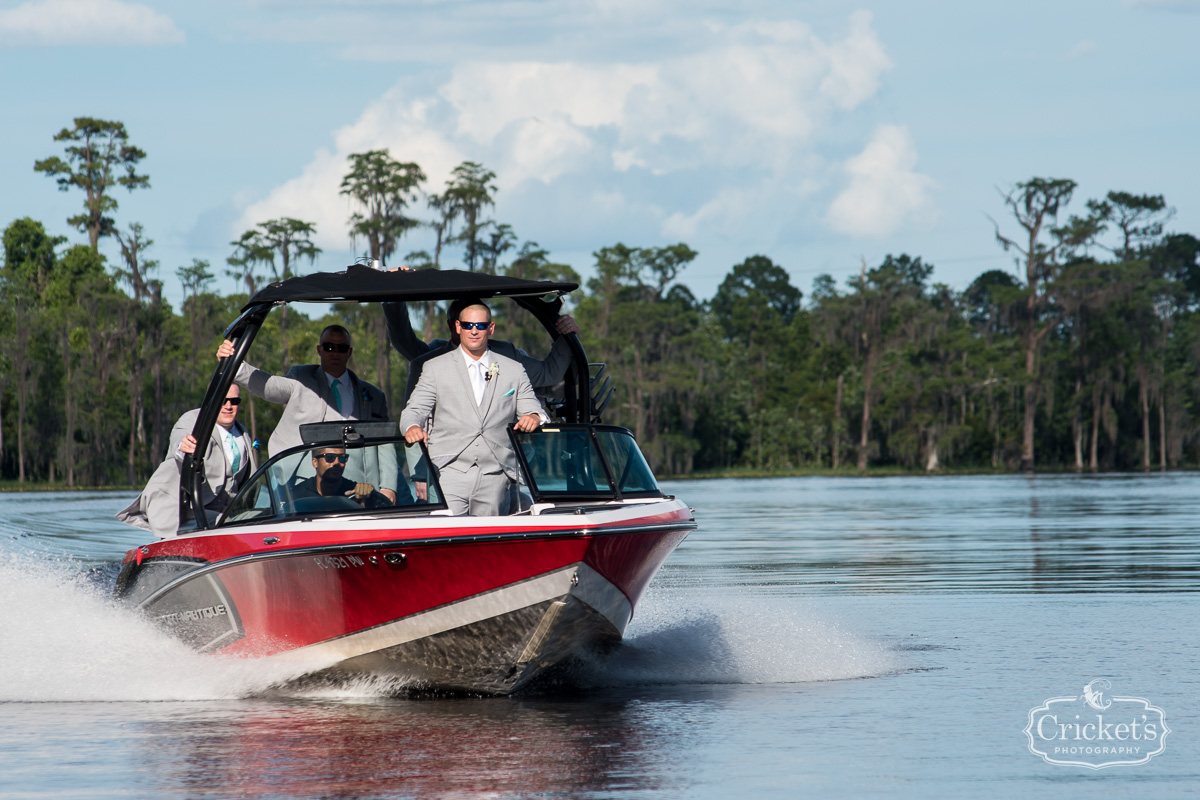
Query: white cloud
86,22
728,209
885,192
311,197
734,210
407,130
719,133
857,64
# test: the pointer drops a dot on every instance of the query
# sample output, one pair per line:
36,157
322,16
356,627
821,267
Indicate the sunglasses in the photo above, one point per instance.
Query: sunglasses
332,457
233,401
474,326
334,347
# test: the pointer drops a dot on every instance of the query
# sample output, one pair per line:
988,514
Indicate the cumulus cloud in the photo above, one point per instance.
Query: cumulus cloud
884,192
721,132
408,128
856,64
42,23
733,210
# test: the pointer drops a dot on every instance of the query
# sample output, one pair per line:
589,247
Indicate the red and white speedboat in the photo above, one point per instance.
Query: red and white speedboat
405,591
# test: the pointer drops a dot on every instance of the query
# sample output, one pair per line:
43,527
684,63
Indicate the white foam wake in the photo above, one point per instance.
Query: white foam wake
690,636
64,639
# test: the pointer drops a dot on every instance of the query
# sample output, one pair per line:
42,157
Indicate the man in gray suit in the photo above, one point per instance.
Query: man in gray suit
324,392
473,394
229,460
544,374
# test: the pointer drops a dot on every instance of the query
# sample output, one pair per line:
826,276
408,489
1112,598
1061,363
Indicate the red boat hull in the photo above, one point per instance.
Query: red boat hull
441,602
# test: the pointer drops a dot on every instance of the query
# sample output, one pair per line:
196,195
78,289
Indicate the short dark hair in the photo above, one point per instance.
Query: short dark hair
336,329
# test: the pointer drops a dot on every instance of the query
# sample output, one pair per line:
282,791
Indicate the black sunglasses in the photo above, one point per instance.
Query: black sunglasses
332,457
233,401
334,347
474,326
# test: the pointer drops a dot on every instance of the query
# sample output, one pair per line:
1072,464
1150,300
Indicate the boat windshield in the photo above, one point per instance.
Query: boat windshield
584,462
328,480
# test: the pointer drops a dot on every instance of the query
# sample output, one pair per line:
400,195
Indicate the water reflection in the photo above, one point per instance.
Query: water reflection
947,534
447,747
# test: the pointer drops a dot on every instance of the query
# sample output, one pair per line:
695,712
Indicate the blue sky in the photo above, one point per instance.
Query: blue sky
816,133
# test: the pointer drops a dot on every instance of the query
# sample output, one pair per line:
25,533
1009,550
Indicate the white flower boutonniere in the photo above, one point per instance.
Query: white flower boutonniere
493,370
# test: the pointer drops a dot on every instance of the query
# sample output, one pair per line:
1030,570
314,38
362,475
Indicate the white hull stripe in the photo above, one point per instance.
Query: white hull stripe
592,588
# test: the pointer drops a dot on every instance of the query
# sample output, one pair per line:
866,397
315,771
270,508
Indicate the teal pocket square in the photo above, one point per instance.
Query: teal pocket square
510,391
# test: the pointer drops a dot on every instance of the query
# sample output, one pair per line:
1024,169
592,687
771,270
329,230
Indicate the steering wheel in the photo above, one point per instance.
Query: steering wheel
374,500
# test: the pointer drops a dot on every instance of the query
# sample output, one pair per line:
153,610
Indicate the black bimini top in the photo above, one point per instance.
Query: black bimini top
363,284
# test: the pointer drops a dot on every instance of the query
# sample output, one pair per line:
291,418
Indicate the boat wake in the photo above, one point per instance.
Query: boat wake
692,637
65,640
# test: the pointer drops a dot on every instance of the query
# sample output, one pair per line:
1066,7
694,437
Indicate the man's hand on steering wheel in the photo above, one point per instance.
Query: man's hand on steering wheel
365,495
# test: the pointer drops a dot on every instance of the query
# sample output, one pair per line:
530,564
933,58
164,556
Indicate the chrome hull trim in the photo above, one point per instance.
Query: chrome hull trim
490,643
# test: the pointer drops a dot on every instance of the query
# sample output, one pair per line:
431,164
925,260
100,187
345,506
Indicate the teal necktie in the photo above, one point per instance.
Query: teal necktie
337,396
237,453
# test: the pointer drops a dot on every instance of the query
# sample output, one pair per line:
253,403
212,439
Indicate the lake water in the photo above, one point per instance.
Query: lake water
840,637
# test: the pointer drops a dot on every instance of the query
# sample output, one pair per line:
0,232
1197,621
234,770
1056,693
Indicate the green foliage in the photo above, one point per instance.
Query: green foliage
99,158
756,297
383,189
1085,357
469,193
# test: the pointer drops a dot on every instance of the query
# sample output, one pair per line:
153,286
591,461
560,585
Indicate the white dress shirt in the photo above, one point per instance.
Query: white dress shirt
477,370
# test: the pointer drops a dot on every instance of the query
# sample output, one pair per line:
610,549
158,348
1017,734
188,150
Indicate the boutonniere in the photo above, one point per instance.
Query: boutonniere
366,398
493,370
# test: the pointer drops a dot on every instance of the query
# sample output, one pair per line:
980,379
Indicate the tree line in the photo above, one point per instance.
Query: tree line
1083,357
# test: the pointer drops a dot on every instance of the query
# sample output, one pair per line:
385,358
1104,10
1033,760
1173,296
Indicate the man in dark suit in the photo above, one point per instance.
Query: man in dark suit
323,392
473,395
329,480
229,460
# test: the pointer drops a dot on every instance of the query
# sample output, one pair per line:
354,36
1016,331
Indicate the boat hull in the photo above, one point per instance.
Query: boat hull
437,604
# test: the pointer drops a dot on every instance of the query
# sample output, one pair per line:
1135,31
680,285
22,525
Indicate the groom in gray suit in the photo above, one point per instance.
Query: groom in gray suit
323,392
544,374
473,395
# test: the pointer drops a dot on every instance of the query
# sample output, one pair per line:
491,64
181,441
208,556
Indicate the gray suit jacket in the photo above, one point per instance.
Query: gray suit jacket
543,374
308,399
157,507
444,392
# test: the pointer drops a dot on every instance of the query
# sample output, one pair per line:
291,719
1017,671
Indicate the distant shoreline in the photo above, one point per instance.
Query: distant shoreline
884,472
11,487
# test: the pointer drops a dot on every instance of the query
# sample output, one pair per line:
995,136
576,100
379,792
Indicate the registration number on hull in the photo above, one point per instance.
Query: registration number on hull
338,562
